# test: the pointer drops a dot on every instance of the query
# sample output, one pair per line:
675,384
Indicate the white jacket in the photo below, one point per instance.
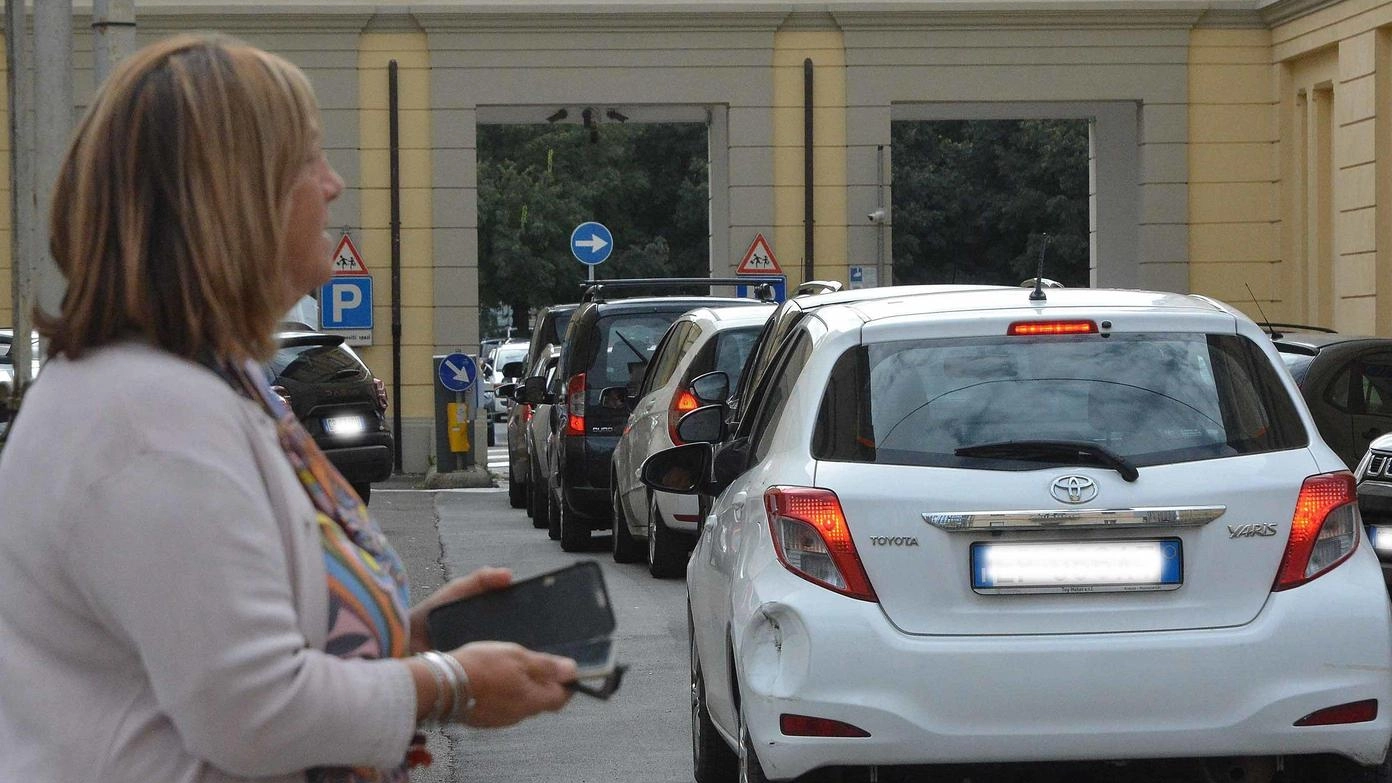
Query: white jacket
162,592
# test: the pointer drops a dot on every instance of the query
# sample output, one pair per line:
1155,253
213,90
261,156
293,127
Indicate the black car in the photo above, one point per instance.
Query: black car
550,330
1375,501
1346,381
607,347
339,402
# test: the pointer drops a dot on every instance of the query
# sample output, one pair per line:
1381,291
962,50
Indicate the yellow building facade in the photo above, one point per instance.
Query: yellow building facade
1241,148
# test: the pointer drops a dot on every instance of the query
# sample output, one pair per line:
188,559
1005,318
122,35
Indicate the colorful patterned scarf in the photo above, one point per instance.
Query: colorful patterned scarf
369,597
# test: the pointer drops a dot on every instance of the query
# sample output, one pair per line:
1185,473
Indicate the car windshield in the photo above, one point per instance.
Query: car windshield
1298,364
1151,398
731,349
560,320
507,354
626,343
315,363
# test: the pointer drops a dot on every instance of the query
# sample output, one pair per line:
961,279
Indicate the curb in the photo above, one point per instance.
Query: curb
458,479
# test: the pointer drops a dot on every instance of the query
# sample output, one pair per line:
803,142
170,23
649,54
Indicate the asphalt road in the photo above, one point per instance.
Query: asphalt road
640,734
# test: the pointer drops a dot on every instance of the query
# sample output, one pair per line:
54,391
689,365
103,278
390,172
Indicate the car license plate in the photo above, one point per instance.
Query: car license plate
1380,537
1077,567
344,425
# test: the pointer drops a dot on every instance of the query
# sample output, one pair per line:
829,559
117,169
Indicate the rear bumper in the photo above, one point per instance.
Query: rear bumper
365,461
589,504
955,699
681,513
585,476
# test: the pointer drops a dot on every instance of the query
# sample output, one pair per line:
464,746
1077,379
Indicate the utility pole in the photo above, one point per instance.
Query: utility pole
18,66
113,35
53,122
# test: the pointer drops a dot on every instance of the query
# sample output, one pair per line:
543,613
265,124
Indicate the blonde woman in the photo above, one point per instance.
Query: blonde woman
188,590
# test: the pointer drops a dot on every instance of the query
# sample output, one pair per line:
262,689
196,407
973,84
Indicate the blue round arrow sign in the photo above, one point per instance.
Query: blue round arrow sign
457,372
591,243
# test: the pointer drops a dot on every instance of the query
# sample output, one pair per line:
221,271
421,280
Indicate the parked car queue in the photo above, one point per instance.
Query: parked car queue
1113,562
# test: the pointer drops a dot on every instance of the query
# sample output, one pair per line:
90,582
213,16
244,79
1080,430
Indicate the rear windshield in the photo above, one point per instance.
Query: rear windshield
507,354
559,322
626,343
730,349
551,330
1298,364
315,363
1153,398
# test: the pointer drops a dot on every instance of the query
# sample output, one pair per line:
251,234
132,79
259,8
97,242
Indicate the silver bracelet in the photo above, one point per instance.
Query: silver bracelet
436,671
464,701
443,661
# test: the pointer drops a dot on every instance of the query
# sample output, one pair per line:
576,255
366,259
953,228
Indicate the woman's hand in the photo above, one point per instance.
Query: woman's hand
510,682
480,581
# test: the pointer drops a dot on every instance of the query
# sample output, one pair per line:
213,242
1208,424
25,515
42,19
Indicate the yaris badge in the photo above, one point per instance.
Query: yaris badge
1073,489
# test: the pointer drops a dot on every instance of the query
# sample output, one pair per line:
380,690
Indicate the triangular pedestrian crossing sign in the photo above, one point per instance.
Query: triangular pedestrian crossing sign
347,260
758,259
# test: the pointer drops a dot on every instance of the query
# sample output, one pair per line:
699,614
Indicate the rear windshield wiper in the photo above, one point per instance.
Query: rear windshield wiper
631,346
1080,452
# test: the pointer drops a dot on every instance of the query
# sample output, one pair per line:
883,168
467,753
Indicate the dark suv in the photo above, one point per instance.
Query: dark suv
339,402
607,347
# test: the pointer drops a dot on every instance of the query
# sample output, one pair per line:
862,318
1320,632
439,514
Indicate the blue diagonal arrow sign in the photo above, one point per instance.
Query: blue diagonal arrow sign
591,243
457,372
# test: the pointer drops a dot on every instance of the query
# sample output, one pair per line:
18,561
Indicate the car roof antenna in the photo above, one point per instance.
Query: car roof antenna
1269,328
1037,295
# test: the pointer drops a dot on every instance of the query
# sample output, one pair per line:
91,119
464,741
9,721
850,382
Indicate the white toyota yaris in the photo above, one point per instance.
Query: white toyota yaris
1004,525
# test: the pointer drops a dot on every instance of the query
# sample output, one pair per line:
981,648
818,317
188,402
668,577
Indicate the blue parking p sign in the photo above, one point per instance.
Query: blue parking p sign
346,303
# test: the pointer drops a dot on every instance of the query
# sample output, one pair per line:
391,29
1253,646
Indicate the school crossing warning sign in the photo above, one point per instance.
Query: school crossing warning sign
758,259
347,259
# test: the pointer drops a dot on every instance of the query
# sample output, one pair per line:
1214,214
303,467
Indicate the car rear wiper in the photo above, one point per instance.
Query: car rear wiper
1071,451
631,346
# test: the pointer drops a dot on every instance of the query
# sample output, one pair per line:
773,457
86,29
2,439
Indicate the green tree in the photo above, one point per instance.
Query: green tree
647,183
972,200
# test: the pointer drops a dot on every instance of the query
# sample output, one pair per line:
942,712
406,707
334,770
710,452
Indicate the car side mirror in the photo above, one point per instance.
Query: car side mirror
681,470
711,387
706,424
514,370
533,390
508,390
618,397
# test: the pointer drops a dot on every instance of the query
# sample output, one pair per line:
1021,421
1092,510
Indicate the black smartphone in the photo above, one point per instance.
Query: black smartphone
565,612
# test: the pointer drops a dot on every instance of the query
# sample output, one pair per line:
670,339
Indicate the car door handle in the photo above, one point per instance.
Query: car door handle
1371,432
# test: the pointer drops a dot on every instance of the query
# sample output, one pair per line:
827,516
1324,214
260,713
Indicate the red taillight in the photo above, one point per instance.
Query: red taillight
1324,529
526,413
575,405
812,539
1353,712
808,726
381,389
1030,328
683,403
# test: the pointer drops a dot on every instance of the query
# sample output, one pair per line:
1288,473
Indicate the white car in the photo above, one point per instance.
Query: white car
7,370
981,526
508,353
705,340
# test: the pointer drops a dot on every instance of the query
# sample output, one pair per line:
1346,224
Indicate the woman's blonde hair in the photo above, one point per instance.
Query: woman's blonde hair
169,213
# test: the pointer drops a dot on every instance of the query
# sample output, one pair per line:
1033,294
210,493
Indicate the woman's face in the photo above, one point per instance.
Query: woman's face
308,246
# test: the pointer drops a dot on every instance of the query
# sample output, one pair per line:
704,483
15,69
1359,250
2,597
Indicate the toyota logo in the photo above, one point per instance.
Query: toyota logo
1073,489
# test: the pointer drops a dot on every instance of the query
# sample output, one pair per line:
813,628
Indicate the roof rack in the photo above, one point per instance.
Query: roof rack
595,290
